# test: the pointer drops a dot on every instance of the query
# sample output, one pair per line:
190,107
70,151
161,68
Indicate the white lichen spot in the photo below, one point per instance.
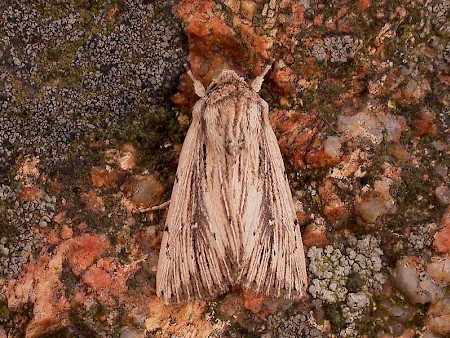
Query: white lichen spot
331,269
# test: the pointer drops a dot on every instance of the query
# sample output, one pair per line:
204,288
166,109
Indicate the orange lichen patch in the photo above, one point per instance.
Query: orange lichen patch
342,25
193,9
315,235
19,291
336,211
318,20
333,207
350,165
318,158
399,152
285,81
443,78
52,237
188,320
298,15
253,301
92,201
260,45
105,176
214,29
41,284
424,127
295,133
206,34
97,278
108,276
363,5
59,218
112,13
257,304
66,232
31,193
28,170
215,45
86,249
442,238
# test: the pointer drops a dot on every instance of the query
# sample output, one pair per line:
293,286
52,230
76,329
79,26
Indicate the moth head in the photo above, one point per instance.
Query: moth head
226,76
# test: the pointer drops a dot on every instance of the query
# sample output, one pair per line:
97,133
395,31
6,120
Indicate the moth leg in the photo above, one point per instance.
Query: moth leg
257,82
198,87
156,207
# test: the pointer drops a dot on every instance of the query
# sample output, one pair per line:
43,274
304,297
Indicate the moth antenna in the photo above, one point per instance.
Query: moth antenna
258,81
198,86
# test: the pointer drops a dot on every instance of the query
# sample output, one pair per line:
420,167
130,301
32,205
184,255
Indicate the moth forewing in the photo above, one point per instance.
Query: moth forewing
273,261
231,218
193,262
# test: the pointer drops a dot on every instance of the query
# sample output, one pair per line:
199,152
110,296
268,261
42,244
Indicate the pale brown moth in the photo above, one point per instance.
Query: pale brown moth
231,218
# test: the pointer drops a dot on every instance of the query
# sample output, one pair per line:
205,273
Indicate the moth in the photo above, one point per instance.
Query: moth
231,218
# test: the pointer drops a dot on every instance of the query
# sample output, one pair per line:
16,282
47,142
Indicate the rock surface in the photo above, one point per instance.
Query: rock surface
94,107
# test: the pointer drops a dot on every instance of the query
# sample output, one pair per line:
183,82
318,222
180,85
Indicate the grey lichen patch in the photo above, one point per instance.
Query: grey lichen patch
420,238
439,15
18,238
331,268
347,278
421,39
74,77
336,48
294,325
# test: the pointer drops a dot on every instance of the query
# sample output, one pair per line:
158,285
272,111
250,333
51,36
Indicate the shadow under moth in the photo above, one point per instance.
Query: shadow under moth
231,218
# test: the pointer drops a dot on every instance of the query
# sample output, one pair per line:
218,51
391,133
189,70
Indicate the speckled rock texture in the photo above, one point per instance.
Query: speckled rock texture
94,106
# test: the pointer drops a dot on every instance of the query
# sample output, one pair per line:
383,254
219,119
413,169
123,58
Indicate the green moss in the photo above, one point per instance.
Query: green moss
420,315
4,311
69,280
412,195
334,315
371,321
354,282
149,132
55,10
64,54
